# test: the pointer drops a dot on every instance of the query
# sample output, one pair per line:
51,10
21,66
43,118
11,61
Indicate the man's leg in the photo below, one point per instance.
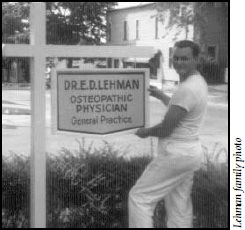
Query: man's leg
160,177
143,198
178,205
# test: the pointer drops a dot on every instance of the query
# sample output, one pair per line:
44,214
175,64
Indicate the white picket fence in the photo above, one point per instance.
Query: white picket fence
38,51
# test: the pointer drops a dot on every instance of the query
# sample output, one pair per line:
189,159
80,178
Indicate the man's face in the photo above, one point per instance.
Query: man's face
183,61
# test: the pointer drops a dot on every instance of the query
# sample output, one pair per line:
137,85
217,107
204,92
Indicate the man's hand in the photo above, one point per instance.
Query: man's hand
142,132
155,92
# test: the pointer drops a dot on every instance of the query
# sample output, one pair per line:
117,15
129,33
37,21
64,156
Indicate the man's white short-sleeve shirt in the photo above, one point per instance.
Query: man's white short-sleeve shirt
192,96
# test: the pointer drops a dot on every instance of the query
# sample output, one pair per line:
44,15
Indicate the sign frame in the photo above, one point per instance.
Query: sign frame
54,99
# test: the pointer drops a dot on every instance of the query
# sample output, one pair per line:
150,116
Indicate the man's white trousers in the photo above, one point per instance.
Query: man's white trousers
168,176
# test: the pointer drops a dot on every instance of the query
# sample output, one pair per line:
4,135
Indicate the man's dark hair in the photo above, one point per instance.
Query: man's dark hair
187,43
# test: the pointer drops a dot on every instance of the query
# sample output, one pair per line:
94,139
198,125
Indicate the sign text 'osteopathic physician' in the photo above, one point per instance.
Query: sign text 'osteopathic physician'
101,102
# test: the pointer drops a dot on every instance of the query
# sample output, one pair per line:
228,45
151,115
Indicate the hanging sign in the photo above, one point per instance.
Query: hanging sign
101,101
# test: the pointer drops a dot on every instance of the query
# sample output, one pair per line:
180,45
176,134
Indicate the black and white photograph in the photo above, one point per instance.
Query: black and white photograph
116,115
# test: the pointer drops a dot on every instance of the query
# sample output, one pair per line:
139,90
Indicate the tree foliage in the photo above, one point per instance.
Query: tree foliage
67,22
182,15
77,22
14,26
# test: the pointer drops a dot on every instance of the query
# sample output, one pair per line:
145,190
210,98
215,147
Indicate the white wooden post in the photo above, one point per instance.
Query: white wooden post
38,152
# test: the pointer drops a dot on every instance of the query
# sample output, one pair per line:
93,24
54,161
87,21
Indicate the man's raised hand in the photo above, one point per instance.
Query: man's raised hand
155,92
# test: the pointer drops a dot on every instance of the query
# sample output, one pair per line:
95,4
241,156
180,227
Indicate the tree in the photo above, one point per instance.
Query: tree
202,16
181,15
77,22
14,22
67,22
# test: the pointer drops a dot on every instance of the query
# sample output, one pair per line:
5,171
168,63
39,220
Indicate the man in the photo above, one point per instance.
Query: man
170,174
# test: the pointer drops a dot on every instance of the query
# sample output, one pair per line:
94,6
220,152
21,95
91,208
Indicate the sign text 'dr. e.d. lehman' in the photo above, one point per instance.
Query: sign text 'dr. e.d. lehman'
101,102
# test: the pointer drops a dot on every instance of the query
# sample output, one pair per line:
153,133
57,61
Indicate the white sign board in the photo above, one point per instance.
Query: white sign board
101,101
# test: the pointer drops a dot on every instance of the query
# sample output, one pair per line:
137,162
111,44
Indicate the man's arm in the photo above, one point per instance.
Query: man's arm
155,92
165,99
172,118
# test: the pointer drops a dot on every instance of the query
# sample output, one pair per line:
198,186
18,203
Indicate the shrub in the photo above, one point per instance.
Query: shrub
92,188
89,189
212,71
15,192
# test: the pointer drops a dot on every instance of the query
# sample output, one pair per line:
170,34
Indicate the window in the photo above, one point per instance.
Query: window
182,10
156,28
137,29
125,31
212,53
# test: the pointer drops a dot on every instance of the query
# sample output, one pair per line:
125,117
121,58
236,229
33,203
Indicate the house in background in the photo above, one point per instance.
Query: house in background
142,25
212,36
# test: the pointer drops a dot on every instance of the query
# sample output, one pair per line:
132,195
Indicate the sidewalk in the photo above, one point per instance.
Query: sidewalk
218,93
16,99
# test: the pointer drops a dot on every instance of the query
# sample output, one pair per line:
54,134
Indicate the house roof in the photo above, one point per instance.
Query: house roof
133,7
